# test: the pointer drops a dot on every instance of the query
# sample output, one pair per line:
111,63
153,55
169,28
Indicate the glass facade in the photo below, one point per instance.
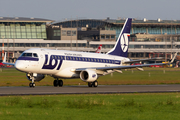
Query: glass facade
150,30
138,26
44,44
23,30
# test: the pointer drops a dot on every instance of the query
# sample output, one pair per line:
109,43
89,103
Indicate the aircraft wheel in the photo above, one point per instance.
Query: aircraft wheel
89,84
60,83
95,83
32,84
55,83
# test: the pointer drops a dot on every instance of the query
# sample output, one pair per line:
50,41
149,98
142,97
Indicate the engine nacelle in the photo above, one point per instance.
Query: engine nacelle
38,78
88,76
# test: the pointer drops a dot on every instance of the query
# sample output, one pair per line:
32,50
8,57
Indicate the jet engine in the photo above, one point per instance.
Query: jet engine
38,78
88,76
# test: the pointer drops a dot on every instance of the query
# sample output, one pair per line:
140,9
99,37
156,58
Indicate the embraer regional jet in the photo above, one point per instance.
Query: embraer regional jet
61,64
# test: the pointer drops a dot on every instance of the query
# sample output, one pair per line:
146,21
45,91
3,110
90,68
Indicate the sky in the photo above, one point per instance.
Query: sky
60,10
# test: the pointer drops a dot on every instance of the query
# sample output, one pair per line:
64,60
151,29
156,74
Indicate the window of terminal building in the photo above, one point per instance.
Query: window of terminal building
73,33
38,32
17,44
44,44
102,36
43,35
154,30
38,35
32,45
107,36
57,32
27,45
177,30
34,35
10,44
112,36
13,32
131,46
68,33
2,29
21,45
64,33
33,31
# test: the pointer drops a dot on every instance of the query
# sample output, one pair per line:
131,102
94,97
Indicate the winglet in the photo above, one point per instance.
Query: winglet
4,61
121,46
174,57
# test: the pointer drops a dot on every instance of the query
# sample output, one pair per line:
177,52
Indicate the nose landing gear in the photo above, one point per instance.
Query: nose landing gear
32,84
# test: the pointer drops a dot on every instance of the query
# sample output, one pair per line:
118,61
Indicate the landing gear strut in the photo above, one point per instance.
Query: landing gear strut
93,84
32,84
58,83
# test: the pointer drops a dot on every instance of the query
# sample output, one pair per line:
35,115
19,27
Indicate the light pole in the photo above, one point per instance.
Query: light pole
3,48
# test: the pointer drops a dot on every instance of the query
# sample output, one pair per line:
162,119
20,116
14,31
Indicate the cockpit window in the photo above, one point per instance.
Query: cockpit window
29,55
35,55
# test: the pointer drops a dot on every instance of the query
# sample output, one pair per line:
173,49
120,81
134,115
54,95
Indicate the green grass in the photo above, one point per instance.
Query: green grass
12,77
161,106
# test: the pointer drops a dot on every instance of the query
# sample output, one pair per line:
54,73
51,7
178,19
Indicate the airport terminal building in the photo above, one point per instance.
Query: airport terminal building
149,38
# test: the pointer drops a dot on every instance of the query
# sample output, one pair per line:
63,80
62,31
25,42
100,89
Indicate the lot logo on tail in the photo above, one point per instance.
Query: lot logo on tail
121,46
124,42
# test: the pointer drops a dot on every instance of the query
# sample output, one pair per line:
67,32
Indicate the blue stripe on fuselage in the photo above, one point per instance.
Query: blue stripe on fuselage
58,60
28,58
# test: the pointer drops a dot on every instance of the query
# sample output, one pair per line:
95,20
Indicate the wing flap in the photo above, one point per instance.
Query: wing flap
140,60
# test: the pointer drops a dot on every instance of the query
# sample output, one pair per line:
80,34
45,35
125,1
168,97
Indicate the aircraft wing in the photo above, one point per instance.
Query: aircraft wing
140,60
8,63
119,67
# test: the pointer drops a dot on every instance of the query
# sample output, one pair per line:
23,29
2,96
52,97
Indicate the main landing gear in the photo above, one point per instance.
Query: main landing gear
93,84
58,83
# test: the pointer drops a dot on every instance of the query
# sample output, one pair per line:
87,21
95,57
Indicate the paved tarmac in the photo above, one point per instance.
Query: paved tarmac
101,89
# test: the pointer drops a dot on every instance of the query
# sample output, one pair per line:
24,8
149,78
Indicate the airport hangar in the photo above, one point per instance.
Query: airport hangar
149,38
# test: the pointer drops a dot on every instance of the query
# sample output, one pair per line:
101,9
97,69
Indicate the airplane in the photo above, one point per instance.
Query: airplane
63,64
99,49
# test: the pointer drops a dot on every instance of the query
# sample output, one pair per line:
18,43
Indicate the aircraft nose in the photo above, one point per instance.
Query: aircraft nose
19,65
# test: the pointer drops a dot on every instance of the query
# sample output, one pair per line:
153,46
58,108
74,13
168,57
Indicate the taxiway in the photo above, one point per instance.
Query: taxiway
101,89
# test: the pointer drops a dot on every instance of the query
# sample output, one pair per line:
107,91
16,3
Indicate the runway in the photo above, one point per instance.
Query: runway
101,89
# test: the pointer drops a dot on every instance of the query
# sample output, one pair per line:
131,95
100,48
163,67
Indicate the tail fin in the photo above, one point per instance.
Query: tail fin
99,49
121,46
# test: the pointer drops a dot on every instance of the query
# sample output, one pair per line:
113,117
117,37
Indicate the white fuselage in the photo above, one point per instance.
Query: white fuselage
60,63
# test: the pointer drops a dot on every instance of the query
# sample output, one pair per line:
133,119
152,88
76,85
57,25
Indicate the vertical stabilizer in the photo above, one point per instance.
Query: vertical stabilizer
121,46
99,49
